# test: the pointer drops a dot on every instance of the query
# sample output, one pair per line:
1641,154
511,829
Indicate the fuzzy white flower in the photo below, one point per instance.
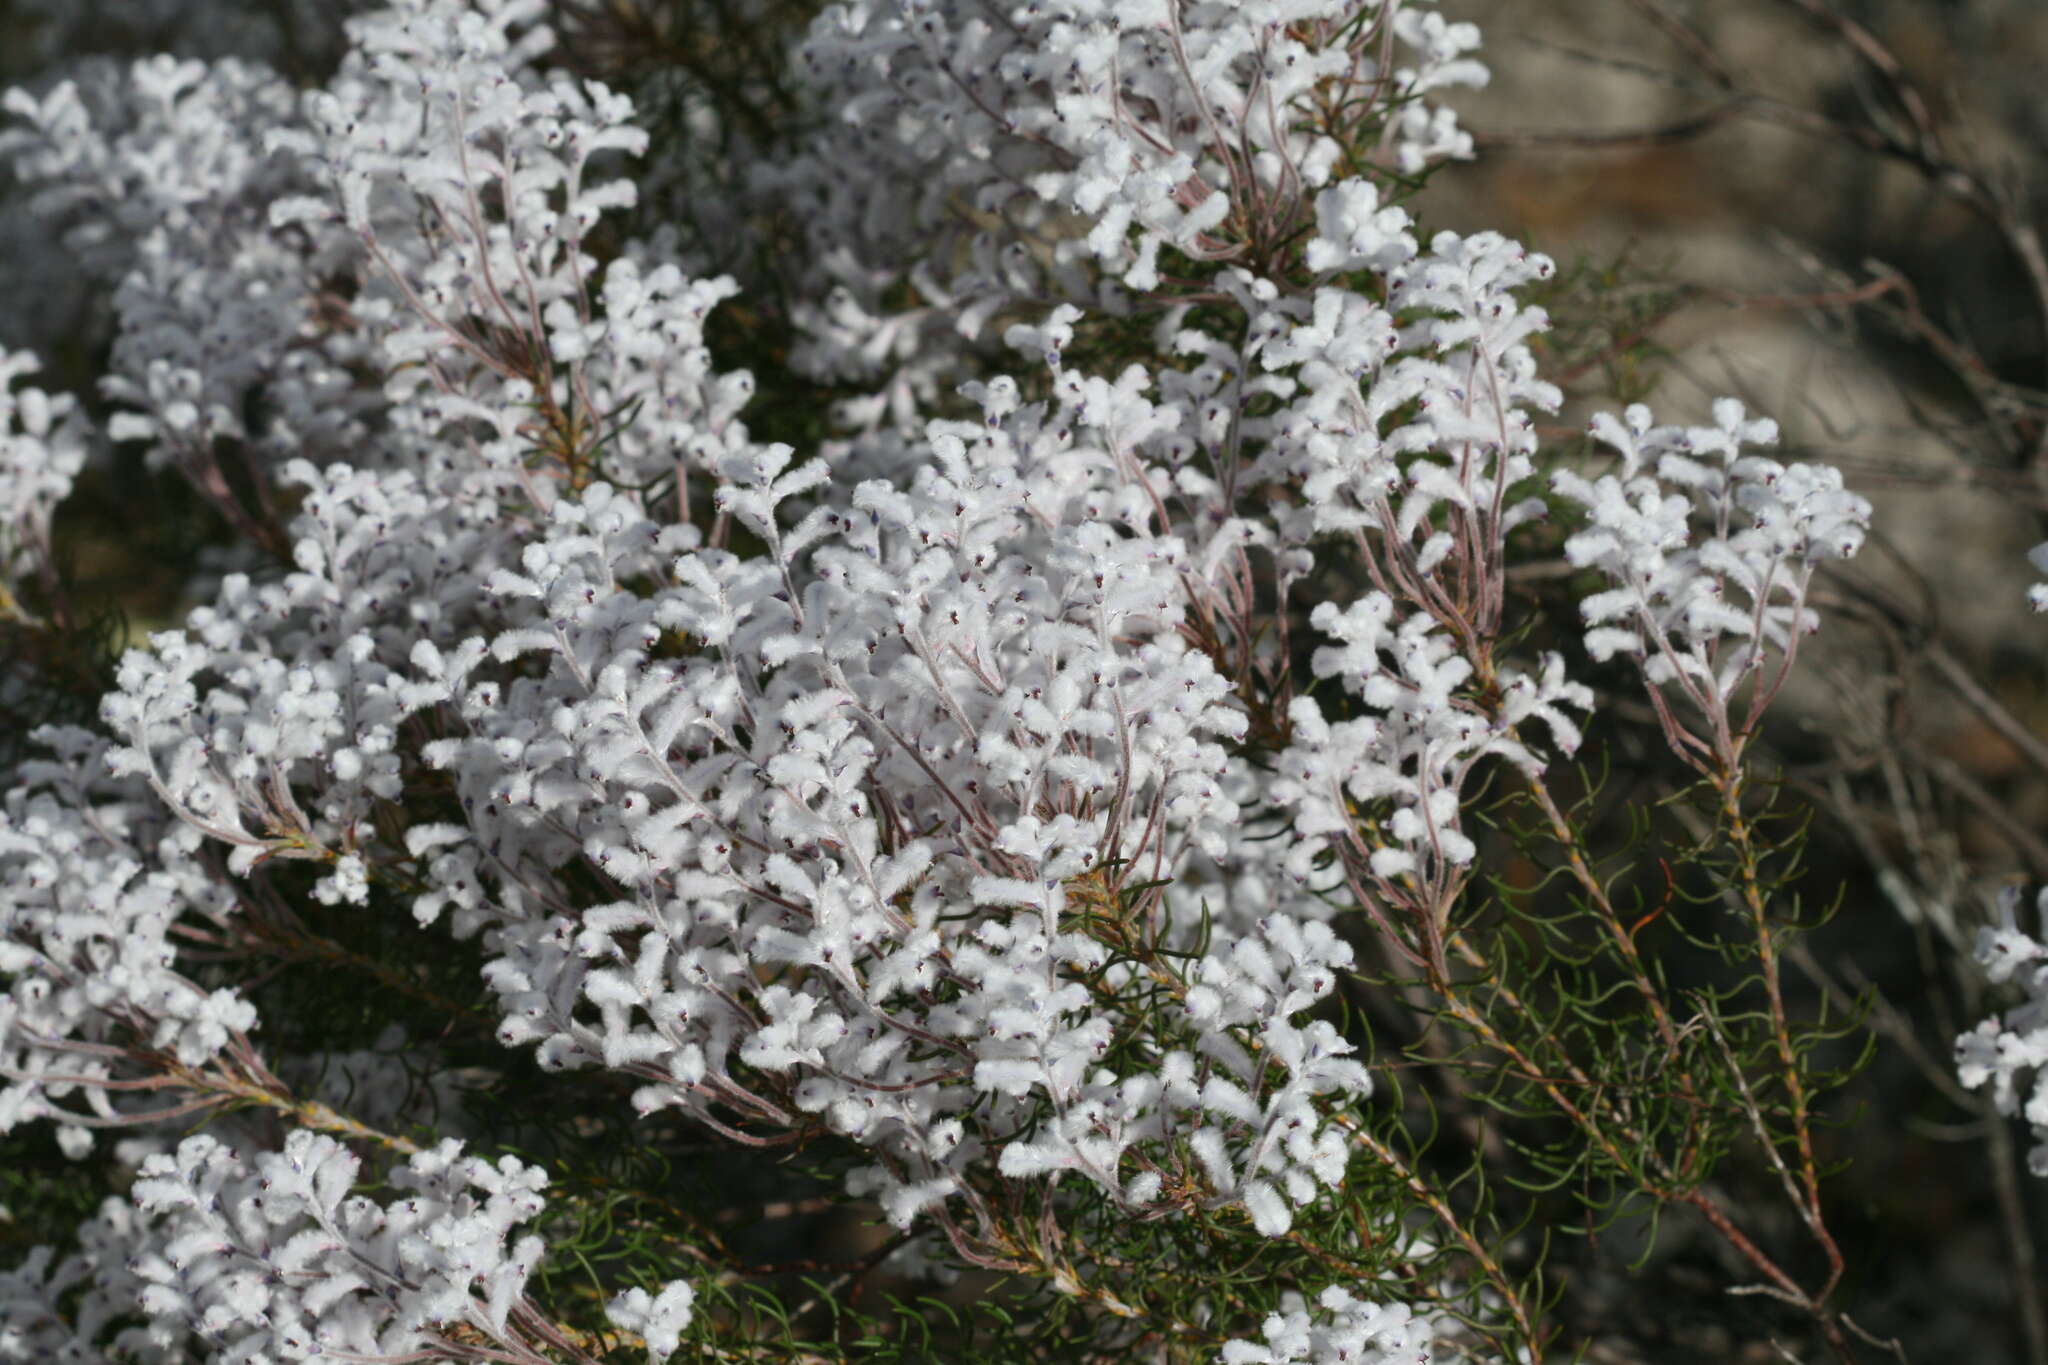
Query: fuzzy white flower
659,1319
1711,552
1341,1330
42,451
2009,1051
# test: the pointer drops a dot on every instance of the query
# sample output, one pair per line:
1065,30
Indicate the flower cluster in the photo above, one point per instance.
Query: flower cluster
42,450
82,1306
2010,1050
951,793
982,652
1708,610
658,1319
276,1258
1407,425
1347,1331
158,180
1050,152
92,879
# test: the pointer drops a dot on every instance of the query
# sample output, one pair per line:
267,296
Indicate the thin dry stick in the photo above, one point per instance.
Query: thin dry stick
1994,712
1920,142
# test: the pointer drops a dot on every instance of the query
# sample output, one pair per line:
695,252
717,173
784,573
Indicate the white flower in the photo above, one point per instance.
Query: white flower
2010,1050
659,1320
1341,1330
1710,552
42,450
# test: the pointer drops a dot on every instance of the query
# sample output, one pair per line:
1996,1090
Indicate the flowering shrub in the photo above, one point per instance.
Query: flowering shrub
1083,800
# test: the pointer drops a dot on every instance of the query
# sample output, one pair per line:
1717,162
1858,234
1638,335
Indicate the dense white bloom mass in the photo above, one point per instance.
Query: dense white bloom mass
276,1259
92,879
936,789
1045,152
159,179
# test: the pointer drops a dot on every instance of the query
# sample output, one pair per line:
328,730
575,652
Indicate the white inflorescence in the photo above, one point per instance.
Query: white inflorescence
2009,1051
1710,551
1340,1330
1053,149
92,878
42,449
276,1258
